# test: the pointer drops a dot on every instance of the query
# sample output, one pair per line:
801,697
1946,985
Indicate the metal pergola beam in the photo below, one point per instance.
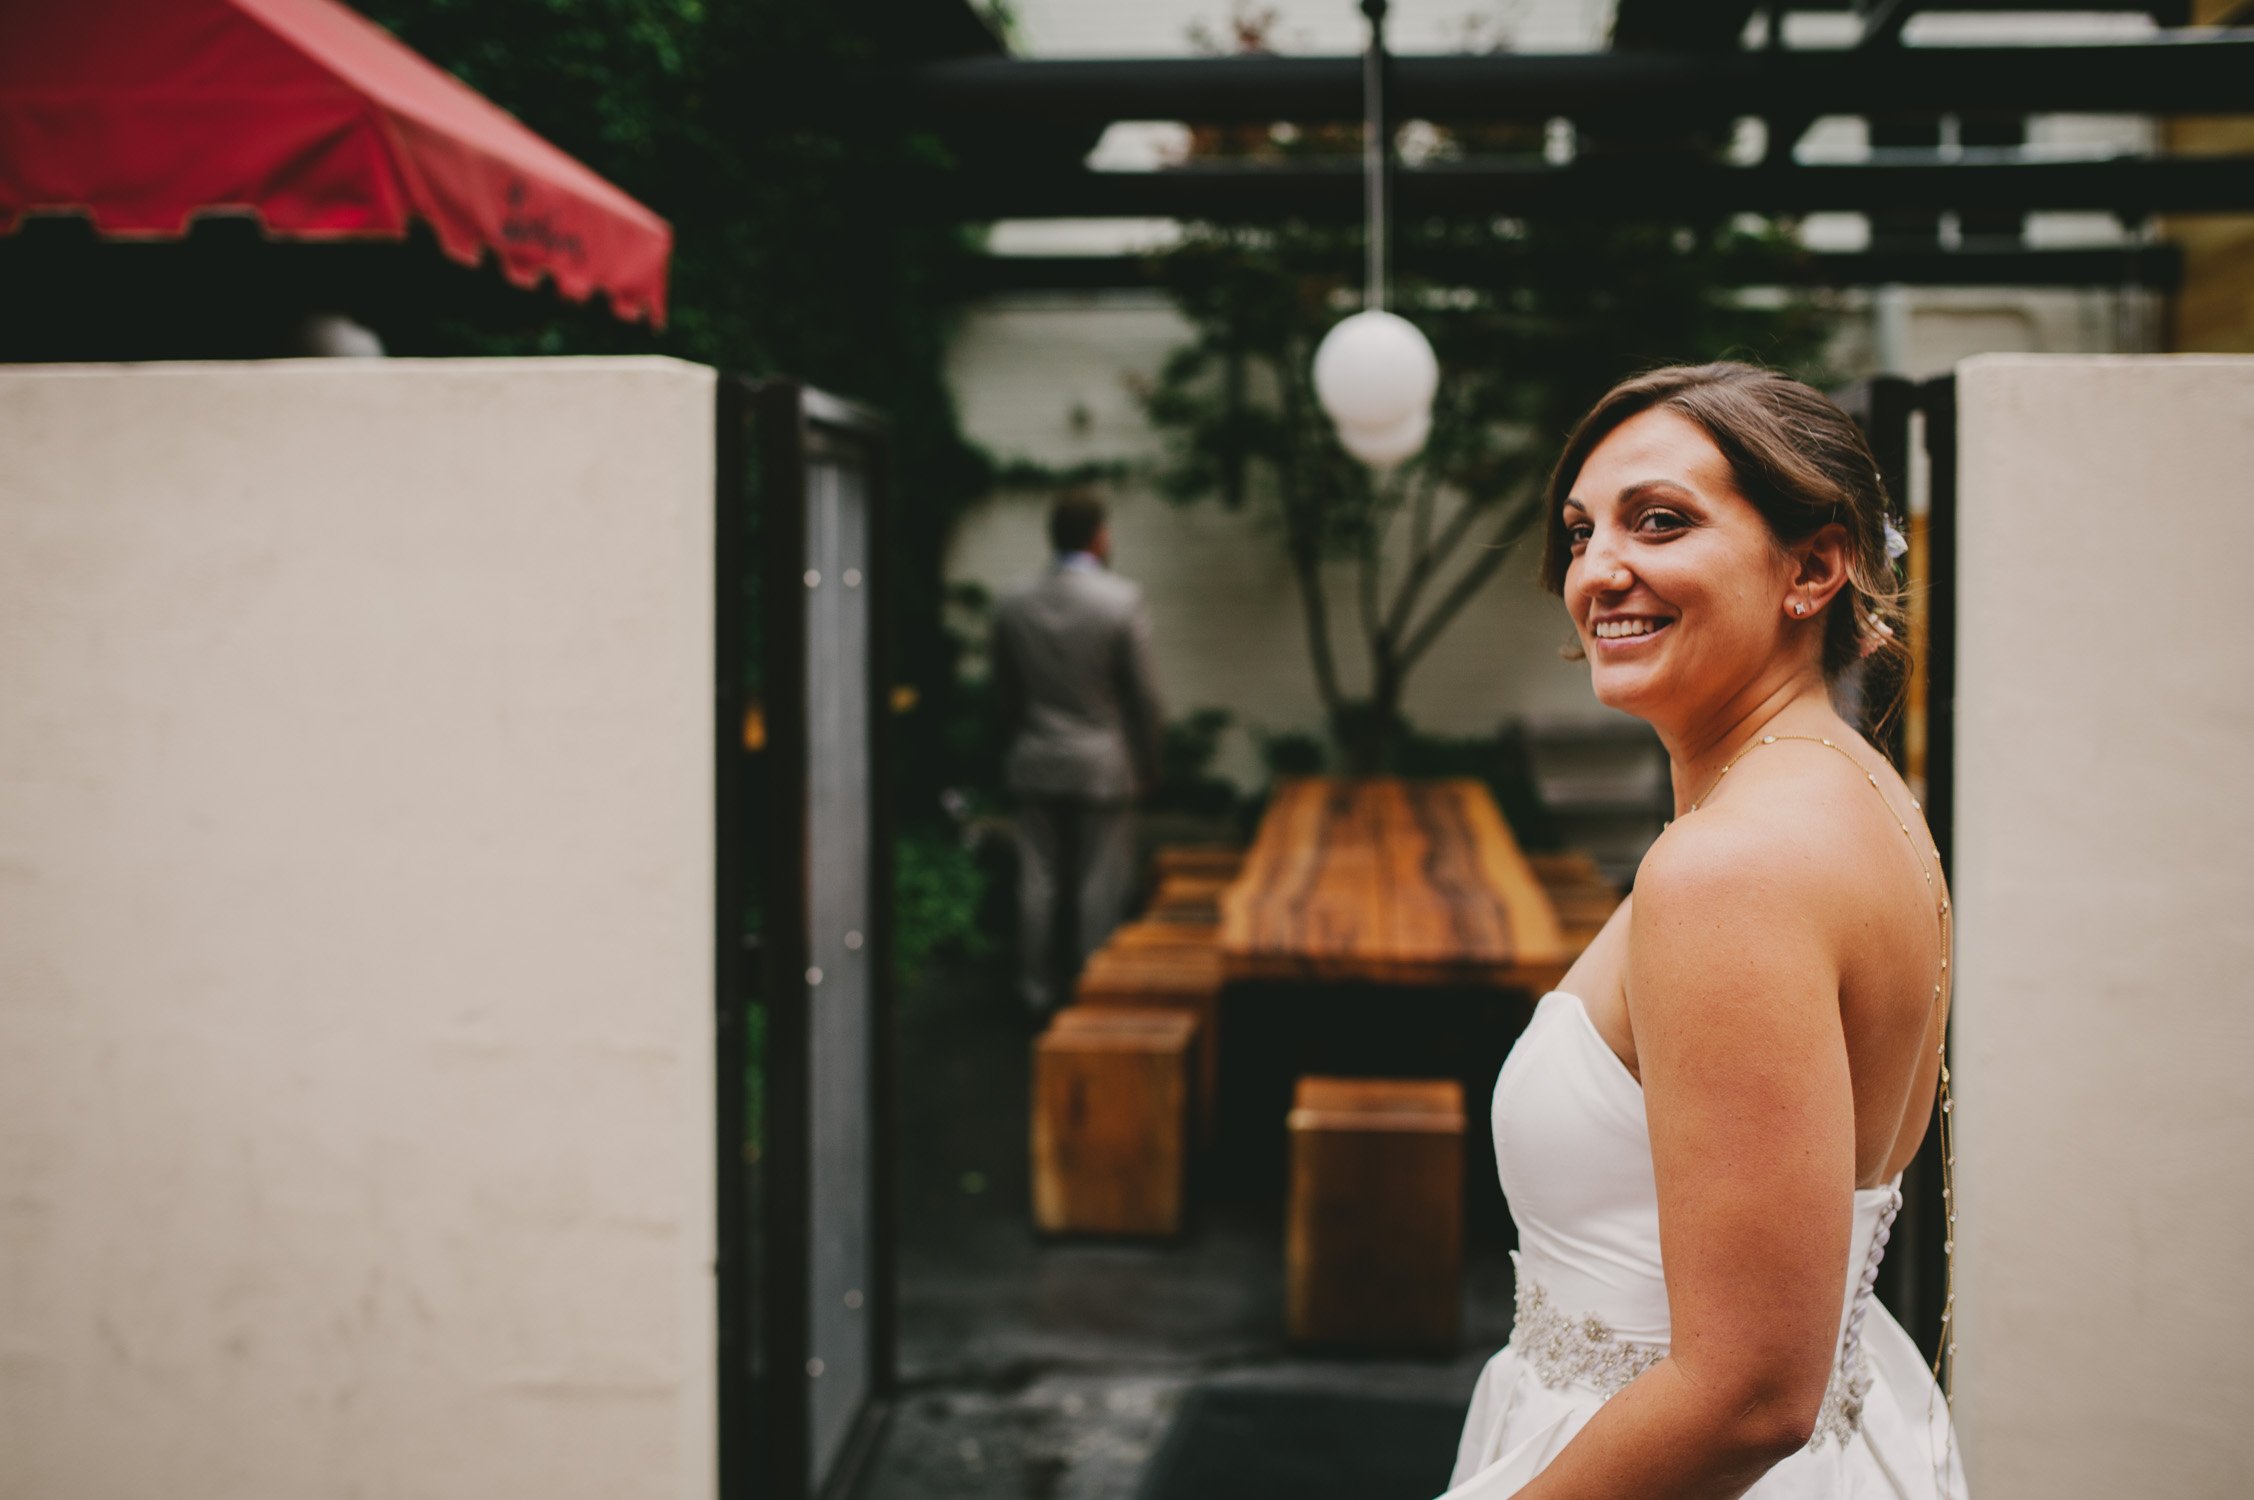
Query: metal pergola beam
1623,187
2163,12
2151,267
2199,73
1669,24
1680,25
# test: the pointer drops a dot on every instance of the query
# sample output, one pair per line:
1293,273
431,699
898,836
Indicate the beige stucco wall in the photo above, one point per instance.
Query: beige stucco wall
2105,883
355,931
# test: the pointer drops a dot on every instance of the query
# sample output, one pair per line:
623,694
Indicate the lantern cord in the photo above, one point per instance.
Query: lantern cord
1377,152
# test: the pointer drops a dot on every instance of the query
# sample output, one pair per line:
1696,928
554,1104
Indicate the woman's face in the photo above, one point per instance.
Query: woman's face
1678,589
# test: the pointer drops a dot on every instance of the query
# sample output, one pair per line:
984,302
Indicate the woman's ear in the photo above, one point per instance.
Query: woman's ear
1822,565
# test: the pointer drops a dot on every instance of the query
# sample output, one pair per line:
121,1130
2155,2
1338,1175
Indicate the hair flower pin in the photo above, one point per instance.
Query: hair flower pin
1896,543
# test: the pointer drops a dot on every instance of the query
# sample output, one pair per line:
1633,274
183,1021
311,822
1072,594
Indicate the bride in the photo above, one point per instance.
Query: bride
1702,1131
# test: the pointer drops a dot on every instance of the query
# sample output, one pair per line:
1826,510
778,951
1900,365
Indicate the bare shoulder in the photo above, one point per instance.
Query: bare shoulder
1768,866
1763,849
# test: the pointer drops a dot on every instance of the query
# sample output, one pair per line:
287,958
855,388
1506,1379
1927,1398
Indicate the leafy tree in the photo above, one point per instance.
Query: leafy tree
1530,325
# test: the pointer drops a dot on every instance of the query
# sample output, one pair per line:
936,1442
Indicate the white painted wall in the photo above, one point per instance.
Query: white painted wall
1054,379
2105,885
356,1077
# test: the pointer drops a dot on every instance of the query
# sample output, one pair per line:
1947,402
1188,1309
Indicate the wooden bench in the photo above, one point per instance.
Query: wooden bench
1583,899
1585,910
1566,867
1374,1252
1190,897
1144,973
1111,1098
1211,861
1146,935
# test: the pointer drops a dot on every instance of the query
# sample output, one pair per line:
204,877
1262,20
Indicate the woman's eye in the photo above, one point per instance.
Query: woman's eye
1660,520
1578,536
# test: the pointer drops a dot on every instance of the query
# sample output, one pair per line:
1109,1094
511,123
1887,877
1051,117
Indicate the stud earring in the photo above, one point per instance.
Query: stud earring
1798,608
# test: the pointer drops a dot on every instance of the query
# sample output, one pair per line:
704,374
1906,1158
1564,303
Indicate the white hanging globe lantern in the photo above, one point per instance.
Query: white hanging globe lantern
1388,447
1375,371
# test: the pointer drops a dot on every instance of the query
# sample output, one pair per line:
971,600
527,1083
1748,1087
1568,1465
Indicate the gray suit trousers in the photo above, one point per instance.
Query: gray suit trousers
1076,870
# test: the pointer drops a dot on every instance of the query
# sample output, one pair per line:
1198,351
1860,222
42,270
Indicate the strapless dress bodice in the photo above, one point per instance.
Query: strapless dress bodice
1573,1150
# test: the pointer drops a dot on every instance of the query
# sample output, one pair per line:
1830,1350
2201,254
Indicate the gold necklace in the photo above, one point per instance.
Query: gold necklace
1945,1359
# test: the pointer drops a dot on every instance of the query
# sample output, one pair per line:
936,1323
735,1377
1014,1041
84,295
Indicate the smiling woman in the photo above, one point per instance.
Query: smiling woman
1702,1132
1778,445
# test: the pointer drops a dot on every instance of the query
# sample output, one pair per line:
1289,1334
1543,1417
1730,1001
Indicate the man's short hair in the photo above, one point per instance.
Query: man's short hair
1074,520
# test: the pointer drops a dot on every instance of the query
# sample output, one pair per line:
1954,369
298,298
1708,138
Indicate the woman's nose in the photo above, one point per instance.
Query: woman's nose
1604,568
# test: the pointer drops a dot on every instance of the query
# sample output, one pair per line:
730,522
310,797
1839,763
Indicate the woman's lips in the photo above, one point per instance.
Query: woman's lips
1654,627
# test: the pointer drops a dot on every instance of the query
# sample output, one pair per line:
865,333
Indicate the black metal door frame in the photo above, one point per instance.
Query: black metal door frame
1913,1277
1923,1269
768,433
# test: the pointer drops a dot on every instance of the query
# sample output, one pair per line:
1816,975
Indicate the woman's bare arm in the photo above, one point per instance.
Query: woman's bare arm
1733,986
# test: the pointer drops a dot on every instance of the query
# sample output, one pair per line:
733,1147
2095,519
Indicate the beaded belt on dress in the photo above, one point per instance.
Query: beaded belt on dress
1565,1350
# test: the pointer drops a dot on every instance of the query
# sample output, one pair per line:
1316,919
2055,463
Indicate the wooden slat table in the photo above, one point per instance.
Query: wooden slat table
1388,882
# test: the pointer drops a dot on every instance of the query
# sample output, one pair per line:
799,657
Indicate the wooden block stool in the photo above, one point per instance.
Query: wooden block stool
1111,1091
1374,1243
1139,1008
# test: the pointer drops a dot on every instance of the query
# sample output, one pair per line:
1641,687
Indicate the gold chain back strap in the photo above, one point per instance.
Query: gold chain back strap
1945,1359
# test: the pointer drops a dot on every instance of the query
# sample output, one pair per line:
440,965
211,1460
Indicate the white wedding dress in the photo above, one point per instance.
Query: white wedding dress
1575,1159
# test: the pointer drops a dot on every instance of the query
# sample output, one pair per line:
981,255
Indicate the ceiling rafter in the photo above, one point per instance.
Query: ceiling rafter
1624,187
2154,267
2199,73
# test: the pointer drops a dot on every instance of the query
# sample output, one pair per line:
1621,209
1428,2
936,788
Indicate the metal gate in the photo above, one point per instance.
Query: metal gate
807,1329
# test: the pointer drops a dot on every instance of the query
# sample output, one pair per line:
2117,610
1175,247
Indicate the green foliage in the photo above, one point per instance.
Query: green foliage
1530,325
1032,474
1293,753
1186,782
959,737
938,887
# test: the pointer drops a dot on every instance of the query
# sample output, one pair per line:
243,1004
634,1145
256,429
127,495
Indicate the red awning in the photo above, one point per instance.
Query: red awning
142,114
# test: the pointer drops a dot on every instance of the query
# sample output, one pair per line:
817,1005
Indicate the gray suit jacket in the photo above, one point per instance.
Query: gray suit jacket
1072,663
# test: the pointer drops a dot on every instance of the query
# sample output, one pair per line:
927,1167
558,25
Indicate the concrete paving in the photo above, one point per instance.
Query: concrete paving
1050,1371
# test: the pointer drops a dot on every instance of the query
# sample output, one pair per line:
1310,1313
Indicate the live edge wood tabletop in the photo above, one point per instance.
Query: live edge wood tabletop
1384,881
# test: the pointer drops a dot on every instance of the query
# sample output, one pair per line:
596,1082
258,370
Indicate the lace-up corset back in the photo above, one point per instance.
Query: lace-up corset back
1574,1155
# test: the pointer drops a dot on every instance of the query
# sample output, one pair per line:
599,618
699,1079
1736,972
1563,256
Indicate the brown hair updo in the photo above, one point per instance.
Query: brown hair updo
1802,462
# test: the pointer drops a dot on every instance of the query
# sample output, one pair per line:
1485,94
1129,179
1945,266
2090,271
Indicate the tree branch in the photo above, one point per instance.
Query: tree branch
1507,536
1425,564
1420,531
1372,549
1374,531
1304,540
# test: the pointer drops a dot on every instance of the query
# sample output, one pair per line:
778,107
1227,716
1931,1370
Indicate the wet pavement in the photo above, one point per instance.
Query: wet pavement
1051,1370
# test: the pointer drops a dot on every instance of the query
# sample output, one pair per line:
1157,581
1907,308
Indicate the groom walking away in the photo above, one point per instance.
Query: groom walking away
1072,667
